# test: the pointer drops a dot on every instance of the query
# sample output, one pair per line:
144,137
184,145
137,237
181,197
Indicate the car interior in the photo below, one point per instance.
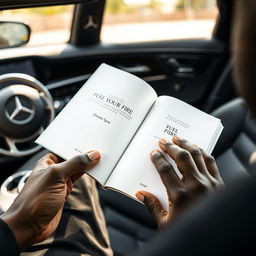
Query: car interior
197,71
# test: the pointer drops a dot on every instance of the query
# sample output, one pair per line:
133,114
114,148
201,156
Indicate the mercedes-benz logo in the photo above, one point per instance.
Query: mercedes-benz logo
18,113
91,23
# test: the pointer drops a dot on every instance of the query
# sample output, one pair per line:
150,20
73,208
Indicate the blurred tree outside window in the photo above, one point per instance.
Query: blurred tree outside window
49,25
124,21
153,20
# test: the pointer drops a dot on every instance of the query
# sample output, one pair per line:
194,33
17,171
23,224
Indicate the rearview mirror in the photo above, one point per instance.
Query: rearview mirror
13,34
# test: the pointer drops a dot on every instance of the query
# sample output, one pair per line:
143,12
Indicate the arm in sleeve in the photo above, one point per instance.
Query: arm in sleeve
8,243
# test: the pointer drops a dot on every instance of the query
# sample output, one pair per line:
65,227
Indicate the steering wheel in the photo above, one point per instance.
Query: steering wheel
26,109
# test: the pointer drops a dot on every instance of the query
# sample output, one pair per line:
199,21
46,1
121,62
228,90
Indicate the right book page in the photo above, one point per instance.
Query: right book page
168,117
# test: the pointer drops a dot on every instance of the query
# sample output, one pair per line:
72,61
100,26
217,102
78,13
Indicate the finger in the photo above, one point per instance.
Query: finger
54,158
78,164
211,165
69,188
45,161
154,206
182,158
166,171
194,151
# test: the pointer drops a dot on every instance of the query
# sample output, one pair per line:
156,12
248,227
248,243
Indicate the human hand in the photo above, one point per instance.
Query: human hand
36,212
200,176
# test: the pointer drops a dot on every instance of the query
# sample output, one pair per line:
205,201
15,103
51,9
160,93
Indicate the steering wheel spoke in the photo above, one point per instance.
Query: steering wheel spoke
12,145
40,131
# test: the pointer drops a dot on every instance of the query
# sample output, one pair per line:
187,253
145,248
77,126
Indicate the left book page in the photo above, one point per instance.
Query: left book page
104,115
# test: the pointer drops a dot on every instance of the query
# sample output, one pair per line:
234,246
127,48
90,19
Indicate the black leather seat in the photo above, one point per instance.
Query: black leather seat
236,147
130,224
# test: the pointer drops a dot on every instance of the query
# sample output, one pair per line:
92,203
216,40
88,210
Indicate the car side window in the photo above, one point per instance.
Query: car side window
128,21
49,25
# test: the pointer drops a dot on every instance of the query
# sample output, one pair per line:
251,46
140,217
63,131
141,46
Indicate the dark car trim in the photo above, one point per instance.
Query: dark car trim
14,4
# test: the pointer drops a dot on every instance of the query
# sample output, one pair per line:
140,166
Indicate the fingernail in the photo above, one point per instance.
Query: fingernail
163,141
176,138
140,197
165,213
155,154
93,155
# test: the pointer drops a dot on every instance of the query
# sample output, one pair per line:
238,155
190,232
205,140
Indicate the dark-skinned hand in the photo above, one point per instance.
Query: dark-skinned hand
36,212
200,176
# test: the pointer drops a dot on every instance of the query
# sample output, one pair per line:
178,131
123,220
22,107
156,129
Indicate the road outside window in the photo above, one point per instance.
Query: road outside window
154,20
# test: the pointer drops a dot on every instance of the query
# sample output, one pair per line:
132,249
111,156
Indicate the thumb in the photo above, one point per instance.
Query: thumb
154,206
79,163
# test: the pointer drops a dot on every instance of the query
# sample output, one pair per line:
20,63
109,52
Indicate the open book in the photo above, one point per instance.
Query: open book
121,116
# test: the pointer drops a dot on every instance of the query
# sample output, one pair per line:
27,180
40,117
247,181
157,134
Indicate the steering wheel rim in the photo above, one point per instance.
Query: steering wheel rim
30,81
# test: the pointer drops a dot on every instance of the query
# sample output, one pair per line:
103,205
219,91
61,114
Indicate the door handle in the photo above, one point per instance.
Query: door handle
140,68
179,67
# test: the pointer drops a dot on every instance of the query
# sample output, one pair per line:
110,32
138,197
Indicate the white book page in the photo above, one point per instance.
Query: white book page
103,116
168,117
